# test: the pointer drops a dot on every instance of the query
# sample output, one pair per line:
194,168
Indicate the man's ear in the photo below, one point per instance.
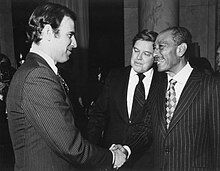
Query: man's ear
181,49
47,32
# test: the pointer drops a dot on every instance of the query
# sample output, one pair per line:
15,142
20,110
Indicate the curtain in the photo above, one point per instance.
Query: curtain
81,8
77,67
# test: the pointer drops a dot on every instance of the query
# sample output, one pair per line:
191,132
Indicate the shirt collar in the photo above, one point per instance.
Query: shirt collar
47,58
147,73
183,75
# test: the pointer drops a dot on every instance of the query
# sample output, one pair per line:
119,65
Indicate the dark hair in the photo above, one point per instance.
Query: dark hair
4,61
180,35
48,13
145,35
6,70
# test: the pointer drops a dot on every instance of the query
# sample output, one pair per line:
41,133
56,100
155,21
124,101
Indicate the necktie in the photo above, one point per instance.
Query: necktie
139,97
171,101
63,83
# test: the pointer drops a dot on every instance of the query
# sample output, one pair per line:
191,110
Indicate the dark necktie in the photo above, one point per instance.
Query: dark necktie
171,101
139,97
63,83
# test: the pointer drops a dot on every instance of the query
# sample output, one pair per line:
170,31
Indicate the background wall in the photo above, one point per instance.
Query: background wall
112,25
6,30
201,17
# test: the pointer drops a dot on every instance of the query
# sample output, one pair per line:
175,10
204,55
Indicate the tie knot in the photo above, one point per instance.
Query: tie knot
141,76
173,82
63,83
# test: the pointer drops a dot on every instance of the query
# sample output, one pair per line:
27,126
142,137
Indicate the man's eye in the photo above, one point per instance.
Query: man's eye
136,50
161,47
147,54
69,35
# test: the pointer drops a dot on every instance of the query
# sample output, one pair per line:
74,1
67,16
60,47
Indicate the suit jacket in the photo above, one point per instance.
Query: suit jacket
109,121
192,141
41,123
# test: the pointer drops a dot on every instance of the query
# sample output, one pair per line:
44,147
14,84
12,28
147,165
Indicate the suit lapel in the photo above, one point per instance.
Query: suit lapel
156,100
152,92
42,62
187,96
122,100
161,100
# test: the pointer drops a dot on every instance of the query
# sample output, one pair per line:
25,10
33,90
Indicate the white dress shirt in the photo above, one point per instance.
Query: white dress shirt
181,77
47,58
133,81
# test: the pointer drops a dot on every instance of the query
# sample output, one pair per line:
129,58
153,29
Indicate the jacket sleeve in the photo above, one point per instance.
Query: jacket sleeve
139,137
214,121
44,102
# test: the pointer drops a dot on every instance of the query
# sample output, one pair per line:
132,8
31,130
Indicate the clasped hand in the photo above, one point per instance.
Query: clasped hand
120,154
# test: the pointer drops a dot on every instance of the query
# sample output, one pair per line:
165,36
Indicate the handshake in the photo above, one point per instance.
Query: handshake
120,155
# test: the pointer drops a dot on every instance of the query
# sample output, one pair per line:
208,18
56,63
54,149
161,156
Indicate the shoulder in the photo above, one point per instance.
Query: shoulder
33,73
208,81
159,77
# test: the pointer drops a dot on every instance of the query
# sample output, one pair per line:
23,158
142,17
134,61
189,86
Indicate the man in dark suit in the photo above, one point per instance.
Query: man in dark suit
186,131
40,115
112,119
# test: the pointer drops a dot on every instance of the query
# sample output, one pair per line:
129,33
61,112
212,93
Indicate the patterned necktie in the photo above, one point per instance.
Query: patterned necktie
63,83
171,101
139,97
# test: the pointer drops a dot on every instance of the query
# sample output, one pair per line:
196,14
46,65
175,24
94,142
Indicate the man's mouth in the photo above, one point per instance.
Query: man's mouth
70,50
158,59
138,63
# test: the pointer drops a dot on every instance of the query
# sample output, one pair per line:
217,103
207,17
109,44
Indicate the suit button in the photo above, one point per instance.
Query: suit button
167,150
129,121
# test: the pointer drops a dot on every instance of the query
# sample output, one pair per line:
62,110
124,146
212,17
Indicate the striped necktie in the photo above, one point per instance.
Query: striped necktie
139,97
63,83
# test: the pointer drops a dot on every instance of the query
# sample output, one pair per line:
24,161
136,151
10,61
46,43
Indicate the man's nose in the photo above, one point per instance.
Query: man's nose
74,43
139,56
155,53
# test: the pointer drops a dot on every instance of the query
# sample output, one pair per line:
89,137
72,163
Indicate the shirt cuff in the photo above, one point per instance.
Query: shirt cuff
113,154
128,150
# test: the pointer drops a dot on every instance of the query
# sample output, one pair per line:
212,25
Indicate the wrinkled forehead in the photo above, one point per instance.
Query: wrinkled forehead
67,24
164,37
144,45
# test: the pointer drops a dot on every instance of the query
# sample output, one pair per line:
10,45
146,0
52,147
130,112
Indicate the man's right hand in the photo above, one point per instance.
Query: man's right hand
120,154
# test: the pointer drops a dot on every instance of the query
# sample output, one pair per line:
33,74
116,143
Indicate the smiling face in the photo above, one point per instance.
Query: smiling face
167,54
64,42
142,56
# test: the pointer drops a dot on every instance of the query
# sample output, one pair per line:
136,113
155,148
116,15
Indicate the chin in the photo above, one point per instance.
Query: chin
64,60
160,69
138,70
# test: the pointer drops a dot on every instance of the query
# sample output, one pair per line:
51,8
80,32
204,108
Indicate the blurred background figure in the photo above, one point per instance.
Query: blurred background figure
6,152
6,73
202,64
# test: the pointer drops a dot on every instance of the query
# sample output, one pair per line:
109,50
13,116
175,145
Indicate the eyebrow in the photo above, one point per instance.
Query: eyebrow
72,32
148,52
163,42
144,51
